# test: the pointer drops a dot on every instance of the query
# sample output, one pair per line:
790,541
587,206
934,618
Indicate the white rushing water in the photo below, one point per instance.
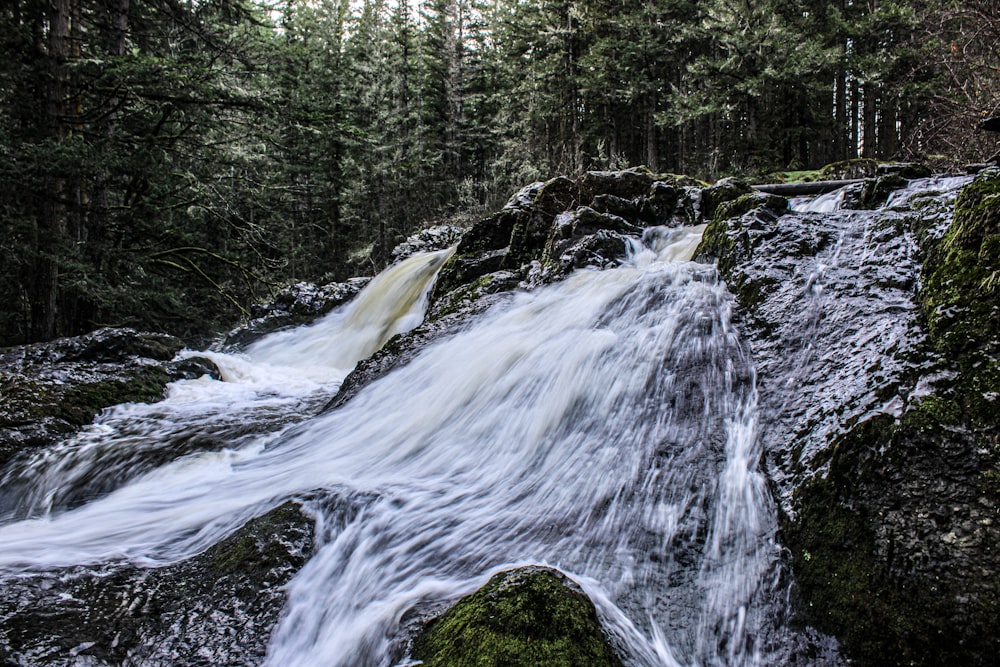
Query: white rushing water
605,425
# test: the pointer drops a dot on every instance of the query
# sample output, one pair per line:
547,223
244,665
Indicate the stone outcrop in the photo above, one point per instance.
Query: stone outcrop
51,389
880,395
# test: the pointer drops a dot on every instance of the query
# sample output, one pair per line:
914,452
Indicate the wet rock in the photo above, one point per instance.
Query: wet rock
739,226
586,237
661,203
876,191
878,410
849,169
217,608
292,306
51,389
528,616
618,207
192,368
433,238
726,189
907,170
627,184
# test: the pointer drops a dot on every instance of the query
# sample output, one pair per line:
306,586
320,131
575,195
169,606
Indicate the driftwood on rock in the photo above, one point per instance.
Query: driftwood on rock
802,189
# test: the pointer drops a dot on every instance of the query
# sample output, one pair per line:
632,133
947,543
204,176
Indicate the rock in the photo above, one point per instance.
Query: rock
216,608
876,191
627,184
849,169
433,238
618,207
294,305
908,170
726,189
878,410
50,389
528,616
660,204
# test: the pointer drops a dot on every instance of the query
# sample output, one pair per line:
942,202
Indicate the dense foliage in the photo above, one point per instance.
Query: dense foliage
166,162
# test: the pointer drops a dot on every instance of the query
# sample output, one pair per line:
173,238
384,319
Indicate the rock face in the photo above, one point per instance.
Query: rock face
217,608
524,617
881,395
50,389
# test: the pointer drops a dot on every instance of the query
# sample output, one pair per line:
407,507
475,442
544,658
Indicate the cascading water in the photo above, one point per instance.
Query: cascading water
605,425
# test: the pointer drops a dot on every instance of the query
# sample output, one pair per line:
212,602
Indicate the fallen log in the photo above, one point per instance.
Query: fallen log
803,189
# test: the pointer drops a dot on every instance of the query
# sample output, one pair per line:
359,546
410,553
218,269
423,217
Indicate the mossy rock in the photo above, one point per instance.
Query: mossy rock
960,296
726,189
876,191
908,170
216,608
892,559
893,548
849,169
555,196
750,201
521,618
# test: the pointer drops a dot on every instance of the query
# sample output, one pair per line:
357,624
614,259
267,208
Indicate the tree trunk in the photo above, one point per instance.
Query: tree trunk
51,211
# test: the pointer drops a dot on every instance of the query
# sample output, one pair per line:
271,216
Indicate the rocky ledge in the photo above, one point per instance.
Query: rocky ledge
876,340
51,389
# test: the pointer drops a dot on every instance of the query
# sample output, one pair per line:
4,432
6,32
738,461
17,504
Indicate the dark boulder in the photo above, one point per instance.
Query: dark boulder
724,190
879,412
294,305
627,184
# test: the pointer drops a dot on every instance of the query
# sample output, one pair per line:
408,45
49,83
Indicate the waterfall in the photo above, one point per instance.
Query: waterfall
605,425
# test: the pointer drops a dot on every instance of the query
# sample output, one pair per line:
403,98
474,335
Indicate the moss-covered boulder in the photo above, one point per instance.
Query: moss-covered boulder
724,190
849,169
521,618
737,227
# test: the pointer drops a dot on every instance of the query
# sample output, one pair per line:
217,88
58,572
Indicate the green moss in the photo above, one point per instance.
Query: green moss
960,297
456,299
524,617
81,402
932,414
721,192
256,554
800,176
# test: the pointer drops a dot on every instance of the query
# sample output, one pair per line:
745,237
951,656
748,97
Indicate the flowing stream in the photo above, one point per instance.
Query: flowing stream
605,425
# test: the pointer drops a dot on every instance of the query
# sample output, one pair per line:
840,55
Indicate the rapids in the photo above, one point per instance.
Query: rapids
605,425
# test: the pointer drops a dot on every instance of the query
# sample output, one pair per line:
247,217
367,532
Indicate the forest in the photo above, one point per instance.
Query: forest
166,163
